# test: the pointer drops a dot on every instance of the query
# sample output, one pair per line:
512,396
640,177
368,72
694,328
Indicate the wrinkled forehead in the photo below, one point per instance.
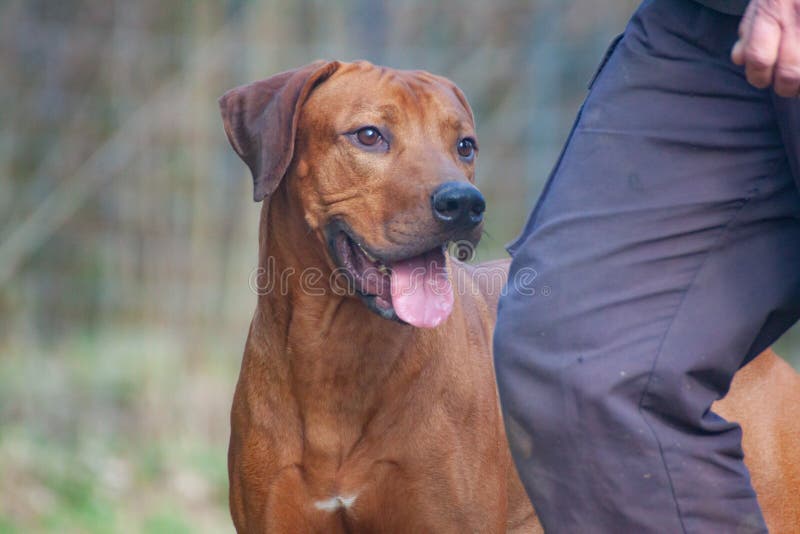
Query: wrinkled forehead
362,90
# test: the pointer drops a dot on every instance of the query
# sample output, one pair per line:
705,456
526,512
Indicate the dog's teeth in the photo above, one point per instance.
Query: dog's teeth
383,269
369,256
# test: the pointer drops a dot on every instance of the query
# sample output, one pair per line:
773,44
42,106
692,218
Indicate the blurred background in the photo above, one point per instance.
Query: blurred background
128,233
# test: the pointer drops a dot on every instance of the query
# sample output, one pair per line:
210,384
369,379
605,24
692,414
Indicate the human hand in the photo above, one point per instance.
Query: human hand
769,45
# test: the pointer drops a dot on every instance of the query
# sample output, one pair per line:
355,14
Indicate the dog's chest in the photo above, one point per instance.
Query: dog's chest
370,496
356,500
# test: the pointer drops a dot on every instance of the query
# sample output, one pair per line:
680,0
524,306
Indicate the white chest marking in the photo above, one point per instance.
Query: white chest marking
336,503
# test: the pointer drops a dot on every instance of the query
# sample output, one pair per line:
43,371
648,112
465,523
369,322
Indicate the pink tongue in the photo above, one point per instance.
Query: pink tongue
421,291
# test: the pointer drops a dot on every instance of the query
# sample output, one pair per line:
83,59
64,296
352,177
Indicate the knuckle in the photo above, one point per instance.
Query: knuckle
768,8
788,73
758,59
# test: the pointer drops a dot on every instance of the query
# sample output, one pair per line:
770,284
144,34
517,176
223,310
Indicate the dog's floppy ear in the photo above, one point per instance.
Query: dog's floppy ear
261,121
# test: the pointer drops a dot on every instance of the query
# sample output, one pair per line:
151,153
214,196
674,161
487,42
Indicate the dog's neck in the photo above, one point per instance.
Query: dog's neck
334,350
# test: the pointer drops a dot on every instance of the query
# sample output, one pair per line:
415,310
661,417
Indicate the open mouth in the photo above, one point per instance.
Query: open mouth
415,290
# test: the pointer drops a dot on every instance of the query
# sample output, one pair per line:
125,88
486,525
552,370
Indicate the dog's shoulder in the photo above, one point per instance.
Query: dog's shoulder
484,281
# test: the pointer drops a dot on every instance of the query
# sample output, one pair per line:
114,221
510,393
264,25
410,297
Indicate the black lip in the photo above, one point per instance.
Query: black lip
370,301
426,243
339,227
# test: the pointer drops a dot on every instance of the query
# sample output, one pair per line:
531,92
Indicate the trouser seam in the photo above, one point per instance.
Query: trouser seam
723,234
512,247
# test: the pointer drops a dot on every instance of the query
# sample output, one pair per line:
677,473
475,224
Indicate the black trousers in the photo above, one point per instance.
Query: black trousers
663,255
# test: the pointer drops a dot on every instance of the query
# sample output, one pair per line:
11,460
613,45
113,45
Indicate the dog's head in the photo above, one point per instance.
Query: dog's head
382,163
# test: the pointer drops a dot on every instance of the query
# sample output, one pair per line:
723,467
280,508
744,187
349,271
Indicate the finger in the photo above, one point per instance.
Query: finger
737,54
761,50
787,69
745,27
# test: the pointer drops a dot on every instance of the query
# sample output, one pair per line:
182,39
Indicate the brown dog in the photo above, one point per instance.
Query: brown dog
765,400
352,413
366,399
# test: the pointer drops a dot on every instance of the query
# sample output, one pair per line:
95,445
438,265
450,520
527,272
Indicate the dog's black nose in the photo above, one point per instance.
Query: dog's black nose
458,204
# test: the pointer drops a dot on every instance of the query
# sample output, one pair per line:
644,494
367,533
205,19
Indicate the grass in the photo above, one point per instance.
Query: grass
112,435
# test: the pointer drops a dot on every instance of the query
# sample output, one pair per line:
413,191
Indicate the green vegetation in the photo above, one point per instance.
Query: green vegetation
112,435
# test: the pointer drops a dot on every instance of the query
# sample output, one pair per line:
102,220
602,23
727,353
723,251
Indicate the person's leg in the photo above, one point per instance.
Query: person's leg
666,249
787,111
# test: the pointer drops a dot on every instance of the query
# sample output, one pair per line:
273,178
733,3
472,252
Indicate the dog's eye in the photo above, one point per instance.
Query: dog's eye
368,136
466,148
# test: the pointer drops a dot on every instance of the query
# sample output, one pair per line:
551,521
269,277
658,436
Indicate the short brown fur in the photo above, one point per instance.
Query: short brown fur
335,401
